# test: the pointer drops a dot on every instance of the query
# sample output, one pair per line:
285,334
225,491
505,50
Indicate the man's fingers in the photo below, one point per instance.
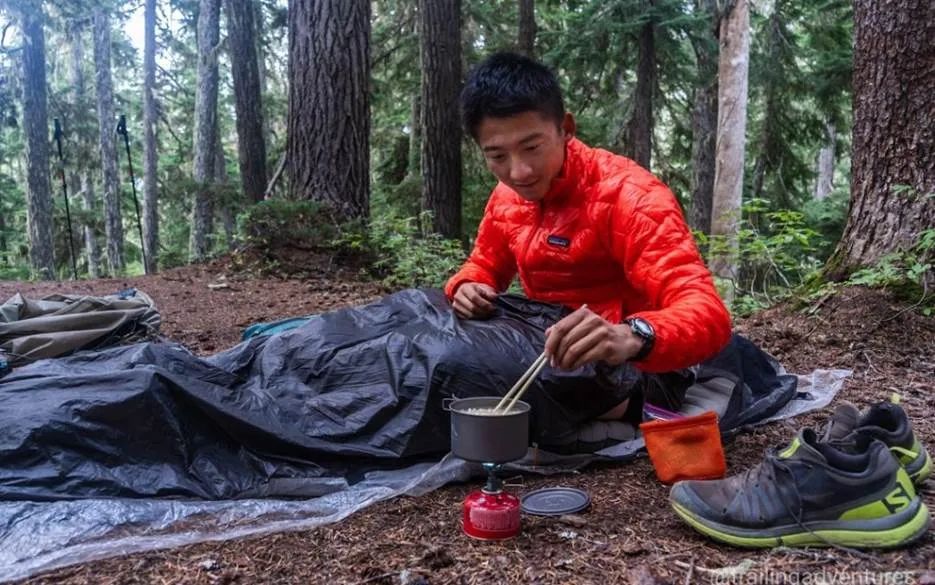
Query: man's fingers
569,339
557,332
477,299
468,304
587,349
584,331
568,331
461,308
486,292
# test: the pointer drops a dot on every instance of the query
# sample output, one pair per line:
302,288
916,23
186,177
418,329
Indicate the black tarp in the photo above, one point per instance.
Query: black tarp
350,391
148,446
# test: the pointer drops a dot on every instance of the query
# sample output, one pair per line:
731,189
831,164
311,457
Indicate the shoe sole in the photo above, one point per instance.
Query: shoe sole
893,531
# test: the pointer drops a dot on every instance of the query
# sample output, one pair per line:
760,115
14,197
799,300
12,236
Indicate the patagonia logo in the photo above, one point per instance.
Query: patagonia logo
559,241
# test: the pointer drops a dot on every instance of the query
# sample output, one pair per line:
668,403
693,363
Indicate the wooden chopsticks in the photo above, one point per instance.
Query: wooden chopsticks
524,382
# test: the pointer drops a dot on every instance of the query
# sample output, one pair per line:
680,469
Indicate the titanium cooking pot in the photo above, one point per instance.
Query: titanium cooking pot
488,438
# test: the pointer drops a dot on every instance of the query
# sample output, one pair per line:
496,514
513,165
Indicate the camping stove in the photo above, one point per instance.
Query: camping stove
491,513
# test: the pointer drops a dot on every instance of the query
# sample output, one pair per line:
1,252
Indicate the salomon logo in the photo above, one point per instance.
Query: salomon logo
559,241
897,499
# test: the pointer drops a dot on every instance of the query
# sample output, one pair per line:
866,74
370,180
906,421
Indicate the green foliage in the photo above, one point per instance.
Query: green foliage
800,68
274,224
408,256
910,267
16,272
909,274
396,248
774,259
827,217
403,254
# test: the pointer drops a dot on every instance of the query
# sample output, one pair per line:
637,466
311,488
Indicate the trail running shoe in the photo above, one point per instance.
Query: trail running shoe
809,494
888,422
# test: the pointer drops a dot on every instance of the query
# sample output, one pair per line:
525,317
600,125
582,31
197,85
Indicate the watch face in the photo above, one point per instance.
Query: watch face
643,329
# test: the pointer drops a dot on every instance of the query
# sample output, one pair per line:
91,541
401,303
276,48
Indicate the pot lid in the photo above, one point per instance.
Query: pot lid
555,501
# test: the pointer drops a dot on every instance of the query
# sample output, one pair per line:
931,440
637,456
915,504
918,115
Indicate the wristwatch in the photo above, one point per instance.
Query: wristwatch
642,329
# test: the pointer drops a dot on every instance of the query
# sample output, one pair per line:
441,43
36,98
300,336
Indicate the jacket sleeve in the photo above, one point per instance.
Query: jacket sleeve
650,239
491,262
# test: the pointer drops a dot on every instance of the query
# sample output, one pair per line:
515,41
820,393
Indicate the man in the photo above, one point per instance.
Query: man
583,228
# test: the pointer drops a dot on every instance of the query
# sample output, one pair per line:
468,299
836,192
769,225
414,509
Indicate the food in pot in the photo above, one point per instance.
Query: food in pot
486,411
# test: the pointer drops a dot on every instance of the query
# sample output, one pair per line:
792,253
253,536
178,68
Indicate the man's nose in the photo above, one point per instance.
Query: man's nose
520,172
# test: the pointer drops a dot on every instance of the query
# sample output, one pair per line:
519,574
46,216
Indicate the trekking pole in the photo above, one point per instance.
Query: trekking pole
71,237
122,130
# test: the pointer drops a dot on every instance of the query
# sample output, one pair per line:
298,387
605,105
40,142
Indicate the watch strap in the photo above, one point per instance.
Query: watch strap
644,331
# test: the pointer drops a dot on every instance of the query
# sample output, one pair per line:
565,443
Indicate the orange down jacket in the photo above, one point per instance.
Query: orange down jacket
609,234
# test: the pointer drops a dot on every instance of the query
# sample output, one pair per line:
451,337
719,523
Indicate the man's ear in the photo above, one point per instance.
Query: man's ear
568,126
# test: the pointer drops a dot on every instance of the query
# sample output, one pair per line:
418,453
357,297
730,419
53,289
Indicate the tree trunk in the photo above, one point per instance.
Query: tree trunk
91,229
251,150
113,222
4,253
704,119
415,137
732,119
206,125
36,131
150,195
526,43
261,69
83,178
640,126
328,140
770,156
440,40
414,165
892,167
227,205
825,182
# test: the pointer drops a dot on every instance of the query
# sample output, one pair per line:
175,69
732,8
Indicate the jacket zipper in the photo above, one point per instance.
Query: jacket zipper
540,212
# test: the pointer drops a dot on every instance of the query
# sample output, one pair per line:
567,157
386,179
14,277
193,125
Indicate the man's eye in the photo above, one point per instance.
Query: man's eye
496,158
532,148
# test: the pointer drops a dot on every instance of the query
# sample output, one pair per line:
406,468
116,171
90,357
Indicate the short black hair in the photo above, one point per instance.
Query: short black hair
505,84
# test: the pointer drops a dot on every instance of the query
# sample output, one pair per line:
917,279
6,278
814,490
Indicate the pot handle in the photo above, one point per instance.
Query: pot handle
446,403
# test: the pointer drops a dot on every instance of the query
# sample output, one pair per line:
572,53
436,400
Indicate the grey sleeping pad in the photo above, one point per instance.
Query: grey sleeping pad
742,384
59,325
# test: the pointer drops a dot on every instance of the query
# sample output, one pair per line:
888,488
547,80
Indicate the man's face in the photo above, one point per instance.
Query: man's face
525,151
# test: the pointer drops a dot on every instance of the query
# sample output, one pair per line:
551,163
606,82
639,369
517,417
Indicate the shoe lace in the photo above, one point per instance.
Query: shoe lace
772,464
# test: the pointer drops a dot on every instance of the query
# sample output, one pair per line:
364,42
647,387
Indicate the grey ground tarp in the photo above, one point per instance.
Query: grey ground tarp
60,325
148,446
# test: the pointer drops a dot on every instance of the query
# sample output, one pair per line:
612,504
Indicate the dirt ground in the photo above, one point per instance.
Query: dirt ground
629,535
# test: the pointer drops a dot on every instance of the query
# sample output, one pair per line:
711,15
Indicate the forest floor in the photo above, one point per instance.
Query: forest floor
629,535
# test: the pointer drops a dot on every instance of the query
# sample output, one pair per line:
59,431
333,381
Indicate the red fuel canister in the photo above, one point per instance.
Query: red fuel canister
490,515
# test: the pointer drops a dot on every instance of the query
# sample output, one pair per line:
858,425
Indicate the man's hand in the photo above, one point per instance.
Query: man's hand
474,300
584,337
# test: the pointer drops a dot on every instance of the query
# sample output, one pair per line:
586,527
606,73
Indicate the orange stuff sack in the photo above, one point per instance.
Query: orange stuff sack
685,448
